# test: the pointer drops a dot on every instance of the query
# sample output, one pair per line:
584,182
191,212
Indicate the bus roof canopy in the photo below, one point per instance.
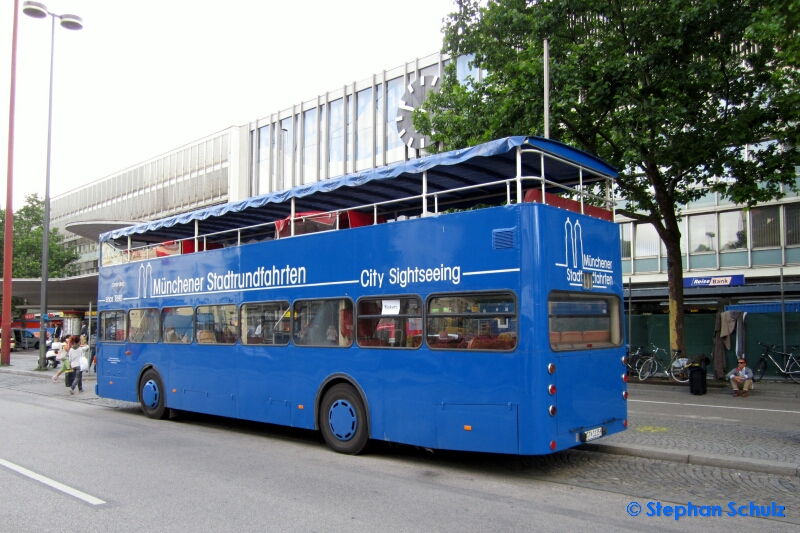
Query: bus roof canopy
483,164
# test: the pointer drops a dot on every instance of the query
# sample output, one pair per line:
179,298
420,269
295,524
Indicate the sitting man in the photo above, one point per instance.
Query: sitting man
741,378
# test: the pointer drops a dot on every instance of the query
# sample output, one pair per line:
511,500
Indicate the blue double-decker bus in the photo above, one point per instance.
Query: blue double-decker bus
469,300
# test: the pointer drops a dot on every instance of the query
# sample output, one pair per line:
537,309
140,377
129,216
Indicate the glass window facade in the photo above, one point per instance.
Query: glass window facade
647,240
792,223
765,231
702,233
336,148
364,130
310,146
732,230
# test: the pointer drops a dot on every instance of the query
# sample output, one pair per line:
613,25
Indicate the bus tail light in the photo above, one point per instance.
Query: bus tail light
551,389
552,445
624,395
551,368
552,410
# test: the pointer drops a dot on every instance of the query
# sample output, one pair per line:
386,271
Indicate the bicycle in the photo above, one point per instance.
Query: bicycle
678,369
790,367
636,359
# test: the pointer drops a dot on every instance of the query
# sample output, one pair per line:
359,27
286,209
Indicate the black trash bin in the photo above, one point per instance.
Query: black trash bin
697,380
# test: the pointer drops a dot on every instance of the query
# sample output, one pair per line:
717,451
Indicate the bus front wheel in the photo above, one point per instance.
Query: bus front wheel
151,395
343,420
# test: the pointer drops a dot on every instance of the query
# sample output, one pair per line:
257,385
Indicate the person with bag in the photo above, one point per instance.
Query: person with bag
63,356
78,362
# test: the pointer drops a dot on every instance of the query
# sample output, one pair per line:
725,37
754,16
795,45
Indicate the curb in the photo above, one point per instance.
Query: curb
702,459
87,376
760,389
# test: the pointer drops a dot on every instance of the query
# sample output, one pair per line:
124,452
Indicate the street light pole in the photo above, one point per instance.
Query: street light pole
70,22
8,243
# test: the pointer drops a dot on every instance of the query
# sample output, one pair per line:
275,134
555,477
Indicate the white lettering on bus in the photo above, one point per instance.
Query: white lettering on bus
263,277
402,277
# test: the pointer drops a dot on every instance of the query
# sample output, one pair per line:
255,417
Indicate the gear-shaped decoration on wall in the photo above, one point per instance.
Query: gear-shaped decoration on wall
416,93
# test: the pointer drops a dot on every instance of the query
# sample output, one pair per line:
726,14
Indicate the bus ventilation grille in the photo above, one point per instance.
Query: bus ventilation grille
503,238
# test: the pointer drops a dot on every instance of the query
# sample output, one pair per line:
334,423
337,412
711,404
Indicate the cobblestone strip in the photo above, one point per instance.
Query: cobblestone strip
711,438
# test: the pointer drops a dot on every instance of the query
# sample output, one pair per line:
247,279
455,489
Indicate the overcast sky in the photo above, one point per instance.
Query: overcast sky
144,77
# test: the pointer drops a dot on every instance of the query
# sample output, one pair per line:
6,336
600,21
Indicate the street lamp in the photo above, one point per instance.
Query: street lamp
38,10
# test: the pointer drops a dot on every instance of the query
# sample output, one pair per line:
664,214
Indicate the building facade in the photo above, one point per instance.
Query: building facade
359,126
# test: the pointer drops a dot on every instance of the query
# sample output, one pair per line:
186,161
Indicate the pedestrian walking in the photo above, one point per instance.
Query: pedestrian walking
63,356
76,353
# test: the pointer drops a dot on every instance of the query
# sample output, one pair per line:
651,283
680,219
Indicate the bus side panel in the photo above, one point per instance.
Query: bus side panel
454,399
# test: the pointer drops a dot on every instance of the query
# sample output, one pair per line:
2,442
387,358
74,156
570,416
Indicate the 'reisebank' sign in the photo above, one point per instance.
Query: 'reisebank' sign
736,280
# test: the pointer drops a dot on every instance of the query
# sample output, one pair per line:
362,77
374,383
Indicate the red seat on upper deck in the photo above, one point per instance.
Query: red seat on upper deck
535,195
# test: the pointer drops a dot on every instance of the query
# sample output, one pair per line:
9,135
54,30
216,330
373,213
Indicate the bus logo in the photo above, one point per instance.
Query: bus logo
584,270
118,285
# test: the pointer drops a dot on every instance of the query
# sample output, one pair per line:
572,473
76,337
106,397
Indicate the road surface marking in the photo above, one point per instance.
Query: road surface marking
52,483
693,417
718,406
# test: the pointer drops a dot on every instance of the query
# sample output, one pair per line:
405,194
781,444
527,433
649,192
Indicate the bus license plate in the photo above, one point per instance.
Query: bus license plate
592,434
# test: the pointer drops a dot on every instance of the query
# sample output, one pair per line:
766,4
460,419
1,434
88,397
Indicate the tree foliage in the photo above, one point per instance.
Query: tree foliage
28,226
670,92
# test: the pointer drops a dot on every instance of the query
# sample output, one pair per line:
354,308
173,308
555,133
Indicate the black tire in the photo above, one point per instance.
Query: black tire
648,369
793,370
343,420
152,395
761,367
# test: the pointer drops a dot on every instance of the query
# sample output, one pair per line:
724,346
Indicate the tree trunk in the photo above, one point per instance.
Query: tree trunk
677,337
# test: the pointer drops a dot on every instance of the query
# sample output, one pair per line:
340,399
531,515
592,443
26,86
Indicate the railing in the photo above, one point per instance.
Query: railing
270,230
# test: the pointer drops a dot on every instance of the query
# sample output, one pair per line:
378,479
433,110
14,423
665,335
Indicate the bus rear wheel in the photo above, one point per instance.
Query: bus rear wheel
151,395
343,420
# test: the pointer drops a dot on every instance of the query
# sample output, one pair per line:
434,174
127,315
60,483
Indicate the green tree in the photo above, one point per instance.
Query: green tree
669,92
28,226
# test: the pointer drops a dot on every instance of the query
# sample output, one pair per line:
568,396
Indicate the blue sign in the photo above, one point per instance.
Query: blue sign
736,280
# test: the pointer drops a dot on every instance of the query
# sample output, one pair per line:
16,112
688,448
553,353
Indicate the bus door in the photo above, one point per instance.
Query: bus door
211,370
111,358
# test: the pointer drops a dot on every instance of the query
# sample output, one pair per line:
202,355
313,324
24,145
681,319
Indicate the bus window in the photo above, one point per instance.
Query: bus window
112,326
323,322
389,322
582,321
266,323
476,321
143,325
217,324
177,324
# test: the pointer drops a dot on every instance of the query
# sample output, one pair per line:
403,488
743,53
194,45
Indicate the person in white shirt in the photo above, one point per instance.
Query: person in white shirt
75,353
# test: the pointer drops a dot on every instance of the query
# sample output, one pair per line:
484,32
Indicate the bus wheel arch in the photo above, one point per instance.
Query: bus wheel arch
151,393
343,415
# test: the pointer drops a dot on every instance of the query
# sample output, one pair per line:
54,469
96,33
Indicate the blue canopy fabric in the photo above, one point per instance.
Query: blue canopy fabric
484,163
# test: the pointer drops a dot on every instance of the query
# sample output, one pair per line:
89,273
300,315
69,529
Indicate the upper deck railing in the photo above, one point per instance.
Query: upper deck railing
460,185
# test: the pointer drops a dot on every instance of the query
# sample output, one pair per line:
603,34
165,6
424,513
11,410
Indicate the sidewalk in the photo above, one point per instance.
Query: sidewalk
769,450
713,444
25,363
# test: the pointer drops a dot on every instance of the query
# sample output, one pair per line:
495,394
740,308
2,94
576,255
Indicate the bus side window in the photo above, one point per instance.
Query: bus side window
389,322
472,321
177,324
112,326
323,322
265,323
217,324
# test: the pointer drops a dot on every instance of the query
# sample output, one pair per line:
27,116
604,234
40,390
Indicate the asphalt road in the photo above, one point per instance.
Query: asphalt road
199,473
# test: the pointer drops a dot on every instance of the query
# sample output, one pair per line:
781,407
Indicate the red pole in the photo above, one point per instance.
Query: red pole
8,243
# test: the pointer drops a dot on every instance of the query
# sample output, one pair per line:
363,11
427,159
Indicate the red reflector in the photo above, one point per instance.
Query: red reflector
552,445
625,378
551,368
624,359
552,410
551,389
624,423
625,395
